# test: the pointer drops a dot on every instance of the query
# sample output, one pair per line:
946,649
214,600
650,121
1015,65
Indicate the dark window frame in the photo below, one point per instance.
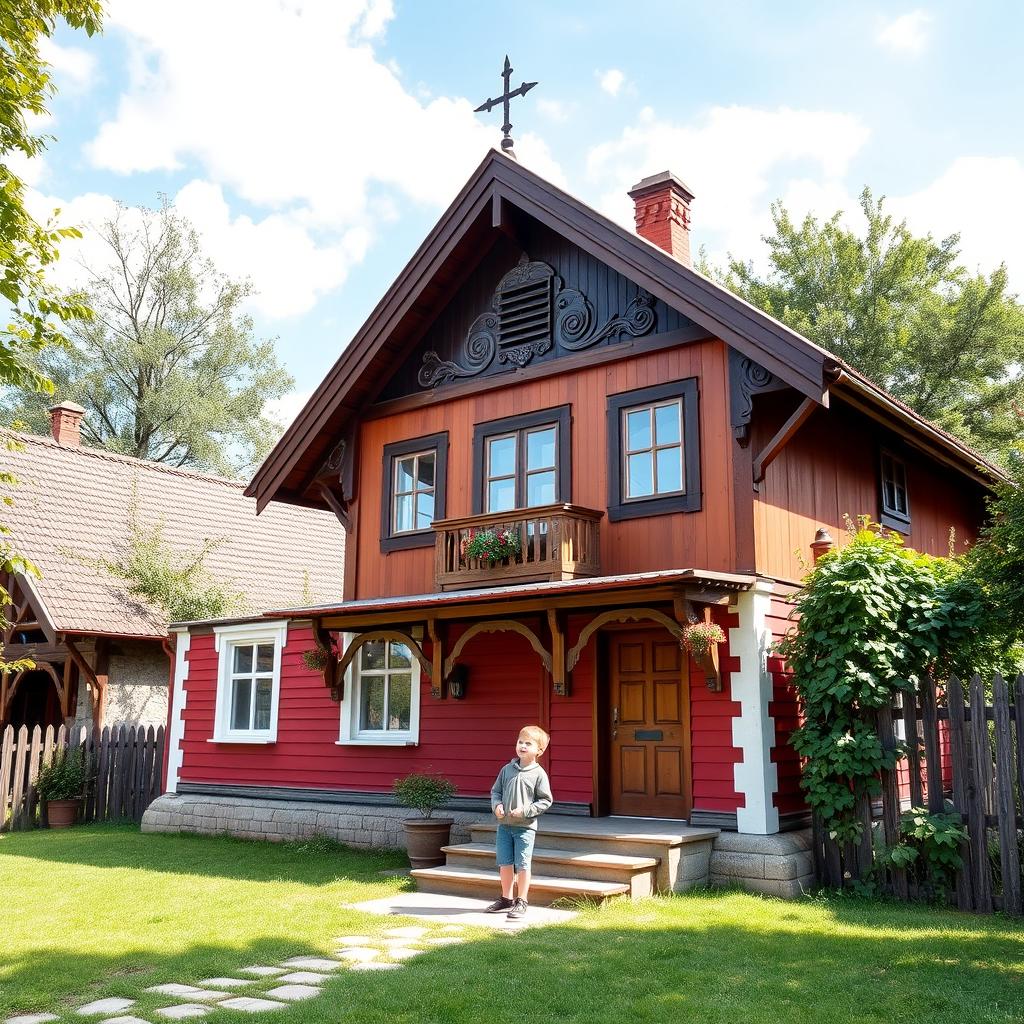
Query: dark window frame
390,541
619,507
888,516
560,416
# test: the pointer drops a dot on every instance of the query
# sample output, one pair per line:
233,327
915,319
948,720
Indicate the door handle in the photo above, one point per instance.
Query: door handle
615,722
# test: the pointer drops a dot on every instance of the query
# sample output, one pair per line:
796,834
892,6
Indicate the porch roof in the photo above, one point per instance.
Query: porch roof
665,584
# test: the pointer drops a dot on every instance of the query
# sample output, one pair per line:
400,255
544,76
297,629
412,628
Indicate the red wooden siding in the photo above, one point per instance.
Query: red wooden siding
467,741
711,715
785,711
701,539
830,470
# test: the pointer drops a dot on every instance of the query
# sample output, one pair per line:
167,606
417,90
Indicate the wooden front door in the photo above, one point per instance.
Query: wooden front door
650,726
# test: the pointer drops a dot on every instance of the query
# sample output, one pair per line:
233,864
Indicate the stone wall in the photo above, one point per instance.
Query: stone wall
136,686
280,820
778,865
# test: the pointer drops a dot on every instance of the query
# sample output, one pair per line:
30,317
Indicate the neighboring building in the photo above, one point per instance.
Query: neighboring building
101,654
662,450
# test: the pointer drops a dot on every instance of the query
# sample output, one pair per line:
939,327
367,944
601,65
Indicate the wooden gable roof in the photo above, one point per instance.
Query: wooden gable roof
498,188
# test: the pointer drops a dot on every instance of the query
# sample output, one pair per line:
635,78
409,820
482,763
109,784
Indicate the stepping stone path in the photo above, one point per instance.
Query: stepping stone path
299,978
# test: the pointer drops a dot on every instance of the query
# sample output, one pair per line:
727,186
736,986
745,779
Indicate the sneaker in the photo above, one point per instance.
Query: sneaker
499,905
519,908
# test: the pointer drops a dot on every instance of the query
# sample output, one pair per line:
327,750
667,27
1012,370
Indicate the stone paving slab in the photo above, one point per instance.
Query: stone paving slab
98,1006
294,992
203,995
305,977
263,972
32,1018
125,1020
250,1004
407,933
185,1010
404,953
460,910
375,965
226,982
358,953
312,963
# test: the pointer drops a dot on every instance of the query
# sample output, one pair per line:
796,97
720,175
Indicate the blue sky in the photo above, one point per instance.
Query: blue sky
315,142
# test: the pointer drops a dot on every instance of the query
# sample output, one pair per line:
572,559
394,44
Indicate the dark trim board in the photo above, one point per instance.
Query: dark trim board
415,538
350,796
725,820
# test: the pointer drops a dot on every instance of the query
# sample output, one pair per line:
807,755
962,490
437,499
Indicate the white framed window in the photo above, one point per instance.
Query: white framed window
413,507
248,681
381,703
652,448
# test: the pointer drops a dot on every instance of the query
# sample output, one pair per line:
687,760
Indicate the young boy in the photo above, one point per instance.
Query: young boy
520,795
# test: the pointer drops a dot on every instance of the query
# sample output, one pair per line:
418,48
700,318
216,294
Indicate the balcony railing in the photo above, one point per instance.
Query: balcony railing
556,542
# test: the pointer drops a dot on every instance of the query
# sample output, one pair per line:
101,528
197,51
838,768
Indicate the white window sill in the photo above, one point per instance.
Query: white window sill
247,740
397,742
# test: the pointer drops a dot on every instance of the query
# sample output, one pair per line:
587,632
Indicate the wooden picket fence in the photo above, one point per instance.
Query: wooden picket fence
962,751
125,771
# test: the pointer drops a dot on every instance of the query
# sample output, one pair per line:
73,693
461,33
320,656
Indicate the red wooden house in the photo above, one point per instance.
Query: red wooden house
659,450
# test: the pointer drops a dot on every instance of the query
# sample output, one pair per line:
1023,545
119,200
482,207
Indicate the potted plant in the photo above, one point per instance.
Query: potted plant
701,640
60,784
491,546
425,835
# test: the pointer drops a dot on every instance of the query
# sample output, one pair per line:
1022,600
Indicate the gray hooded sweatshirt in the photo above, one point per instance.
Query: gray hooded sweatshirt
525,788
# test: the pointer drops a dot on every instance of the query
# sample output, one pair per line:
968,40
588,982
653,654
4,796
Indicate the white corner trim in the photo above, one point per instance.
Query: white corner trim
753,731
175,755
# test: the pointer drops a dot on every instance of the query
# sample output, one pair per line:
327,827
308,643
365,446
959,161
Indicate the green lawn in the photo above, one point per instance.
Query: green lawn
106,910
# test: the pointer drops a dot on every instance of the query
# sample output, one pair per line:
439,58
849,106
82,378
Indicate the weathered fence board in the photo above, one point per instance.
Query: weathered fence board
974,763
125,765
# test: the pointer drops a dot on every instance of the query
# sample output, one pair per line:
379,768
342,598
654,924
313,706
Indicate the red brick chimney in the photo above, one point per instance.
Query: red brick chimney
65,421
663,213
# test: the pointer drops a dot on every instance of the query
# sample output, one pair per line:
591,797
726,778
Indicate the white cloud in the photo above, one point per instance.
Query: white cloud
982,198
908,33
287,407
73,67
735,159
553,110
611,80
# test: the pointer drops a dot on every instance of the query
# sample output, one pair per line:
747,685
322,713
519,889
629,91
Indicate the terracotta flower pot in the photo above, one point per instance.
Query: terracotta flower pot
61,813
424,838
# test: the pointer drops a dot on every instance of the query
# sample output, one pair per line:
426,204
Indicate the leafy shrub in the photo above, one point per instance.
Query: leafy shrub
423,792
64,777
929,848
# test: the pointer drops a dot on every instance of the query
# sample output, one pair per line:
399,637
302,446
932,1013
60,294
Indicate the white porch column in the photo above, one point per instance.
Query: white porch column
183,639
756,777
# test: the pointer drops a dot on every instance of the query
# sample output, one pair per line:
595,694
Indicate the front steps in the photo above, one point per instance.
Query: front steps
582,858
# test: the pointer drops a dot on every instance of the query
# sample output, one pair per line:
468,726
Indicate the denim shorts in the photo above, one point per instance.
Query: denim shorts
515,846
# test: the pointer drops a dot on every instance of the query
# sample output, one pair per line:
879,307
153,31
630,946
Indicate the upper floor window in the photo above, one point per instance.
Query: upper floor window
895,501
522,461
653,451
413,491
248,681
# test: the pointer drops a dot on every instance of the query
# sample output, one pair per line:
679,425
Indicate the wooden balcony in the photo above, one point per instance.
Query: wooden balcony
557,542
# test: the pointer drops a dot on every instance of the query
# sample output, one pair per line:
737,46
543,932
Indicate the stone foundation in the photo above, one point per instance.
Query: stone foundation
778,865
282,820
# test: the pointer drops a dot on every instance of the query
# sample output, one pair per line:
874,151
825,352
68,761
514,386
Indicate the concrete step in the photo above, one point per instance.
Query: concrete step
544,889
595,865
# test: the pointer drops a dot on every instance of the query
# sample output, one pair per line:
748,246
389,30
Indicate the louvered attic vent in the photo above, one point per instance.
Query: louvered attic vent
524,317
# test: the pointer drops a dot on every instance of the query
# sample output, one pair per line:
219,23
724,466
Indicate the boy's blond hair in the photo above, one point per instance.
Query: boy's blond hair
537,734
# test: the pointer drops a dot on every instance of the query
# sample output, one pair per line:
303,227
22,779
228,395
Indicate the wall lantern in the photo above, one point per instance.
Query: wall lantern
458,682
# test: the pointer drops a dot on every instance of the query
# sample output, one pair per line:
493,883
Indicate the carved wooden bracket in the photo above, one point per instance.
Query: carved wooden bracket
496,626
621,615
559,676
685,613
381,634
332,679
437,673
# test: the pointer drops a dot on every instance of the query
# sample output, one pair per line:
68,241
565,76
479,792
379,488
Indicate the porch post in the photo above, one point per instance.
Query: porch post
753,730
179,695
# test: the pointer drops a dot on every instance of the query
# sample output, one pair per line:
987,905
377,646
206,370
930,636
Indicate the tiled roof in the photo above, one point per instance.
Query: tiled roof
71,510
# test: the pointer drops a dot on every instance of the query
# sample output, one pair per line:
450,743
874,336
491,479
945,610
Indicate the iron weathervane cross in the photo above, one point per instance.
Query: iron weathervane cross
487,105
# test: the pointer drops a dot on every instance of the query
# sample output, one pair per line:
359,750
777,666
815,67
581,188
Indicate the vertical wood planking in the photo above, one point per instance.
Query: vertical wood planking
31,795
103,774
1018,714
958,747
891,801
913,747
930,723
18,787
1009,857
158,766
981,768
116,767
6,774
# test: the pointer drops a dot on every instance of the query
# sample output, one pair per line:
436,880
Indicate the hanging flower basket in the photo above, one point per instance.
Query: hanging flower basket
491,546
700,638
317,658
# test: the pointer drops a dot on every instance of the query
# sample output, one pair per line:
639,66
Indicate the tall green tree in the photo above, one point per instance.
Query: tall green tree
167,368
35,311
904,311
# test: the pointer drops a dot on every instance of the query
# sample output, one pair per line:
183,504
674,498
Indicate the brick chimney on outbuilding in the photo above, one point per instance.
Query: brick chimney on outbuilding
65,423
663,213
